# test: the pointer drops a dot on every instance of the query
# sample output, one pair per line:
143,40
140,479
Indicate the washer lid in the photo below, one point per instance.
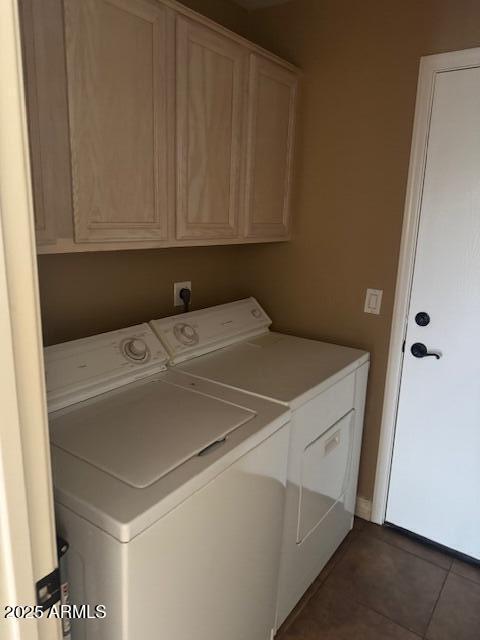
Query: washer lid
145,430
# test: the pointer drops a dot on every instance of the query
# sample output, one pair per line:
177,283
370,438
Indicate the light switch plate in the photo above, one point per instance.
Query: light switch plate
373,301
177,287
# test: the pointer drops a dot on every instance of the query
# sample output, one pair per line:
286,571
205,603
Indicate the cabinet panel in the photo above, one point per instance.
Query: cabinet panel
120,92
211,81
271,123
46,100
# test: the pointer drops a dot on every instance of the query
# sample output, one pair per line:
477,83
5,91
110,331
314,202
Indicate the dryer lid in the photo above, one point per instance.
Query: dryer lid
140,433
279,367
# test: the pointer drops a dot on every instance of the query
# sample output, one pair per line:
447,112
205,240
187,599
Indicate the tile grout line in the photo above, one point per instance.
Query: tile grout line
436,602
459,575
391,544
382,614
447,573
335,565
324,585
346,542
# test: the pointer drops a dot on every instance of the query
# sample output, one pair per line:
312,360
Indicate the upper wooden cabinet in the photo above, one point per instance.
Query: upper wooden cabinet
270,138
44,65
176,132
211,83
119,87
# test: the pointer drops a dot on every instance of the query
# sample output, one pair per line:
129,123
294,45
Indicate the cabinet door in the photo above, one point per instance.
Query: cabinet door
42,41
119,85
211,82
271,123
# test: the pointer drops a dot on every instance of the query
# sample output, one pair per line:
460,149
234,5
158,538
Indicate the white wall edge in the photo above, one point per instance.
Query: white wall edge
27,536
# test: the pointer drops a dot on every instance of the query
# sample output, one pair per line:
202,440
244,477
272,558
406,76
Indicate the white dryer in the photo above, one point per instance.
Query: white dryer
170,491
323,384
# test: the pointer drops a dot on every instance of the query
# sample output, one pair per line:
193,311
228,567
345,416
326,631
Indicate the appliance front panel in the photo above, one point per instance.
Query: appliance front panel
85,368
193,334
318,512
325,473
215,580
224,569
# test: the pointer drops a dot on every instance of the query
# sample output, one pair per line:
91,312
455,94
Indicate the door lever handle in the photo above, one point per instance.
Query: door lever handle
419,350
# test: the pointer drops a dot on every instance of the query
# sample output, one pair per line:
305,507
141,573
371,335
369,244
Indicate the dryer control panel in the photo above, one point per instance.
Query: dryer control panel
193,334
85,368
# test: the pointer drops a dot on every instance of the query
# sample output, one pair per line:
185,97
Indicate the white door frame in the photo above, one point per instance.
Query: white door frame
430,66
27,529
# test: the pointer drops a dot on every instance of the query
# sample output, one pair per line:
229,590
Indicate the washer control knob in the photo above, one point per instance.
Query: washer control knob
256,313
185,333
188,331
136,349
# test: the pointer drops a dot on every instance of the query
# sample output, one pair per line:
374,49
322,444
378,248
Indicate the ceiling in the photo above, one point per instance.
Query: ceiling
258,4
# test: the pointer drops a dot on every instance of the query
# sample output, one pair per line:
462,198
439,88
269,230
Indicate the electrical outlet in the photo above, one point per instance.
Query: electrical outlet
177,287
373,301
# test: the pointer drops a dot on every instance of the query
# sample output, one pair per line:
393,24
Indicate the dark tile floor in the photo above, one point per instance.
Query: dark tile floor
382,585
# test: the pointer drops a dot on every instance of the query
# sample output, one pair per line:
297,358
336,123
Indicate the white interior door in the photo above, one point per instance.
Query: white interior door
27,530
435,478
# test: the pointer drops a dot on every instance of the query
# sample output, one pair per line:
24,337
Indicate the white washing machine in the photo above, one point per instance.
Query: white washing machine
170,491
325,387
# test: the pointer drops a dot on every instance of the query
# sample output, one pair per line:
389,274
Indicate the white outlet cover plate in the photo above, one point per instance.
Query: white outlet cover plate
373,301
177,287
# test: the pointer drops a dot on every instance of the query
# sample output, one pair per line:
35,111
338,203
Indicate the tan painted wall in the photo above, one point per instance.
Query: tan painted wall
361,62
225,12
87,293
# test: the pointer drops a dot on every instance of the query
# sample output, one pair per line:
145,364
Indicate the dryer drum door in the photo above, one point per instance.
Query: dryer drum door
326,464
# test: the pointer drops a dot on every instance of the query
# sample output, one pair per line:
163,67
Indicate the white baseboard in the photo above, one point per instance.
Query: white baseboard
363,508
